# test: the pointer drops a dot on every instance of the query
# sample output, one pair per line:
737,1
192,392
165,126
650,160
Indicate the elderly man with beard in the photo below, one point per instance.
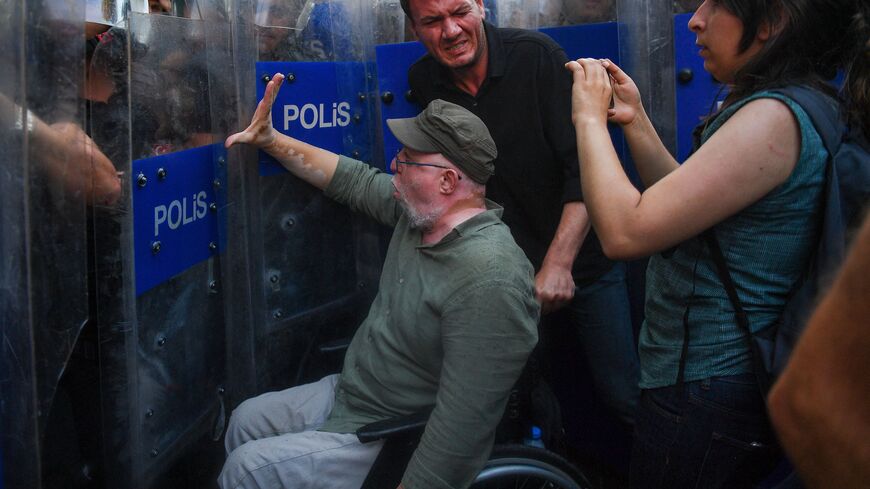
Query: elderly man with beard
451,327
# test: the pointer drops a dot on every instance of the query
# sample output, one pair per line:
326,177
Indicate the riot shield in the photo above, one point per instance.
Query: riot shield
312,265
18,420
390,22
516,13
111,12
51,171
552,13
646,50
161,309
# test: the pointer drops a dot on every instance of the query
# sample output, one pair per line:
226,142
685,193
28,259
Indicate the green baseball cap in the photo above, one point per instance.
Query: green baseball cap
453,131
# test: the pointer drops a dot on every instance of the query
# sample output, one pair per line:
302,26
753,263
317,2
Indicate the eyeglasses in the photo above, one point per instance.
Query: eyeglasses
414,163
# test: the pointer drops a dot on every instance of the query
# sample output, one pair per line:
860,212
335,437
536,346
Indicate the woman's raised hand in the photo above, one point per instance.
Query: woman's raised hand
626,96
597,82
260,132
590,96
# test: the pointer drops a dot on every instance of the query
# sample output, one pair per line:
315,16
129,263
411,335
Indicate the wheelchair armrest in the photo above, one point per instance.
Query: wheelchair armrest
334,345
393,427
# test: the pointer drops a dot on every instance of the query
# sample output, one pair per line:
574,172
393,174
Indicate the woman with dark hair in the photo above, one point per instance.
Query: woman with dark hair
757,175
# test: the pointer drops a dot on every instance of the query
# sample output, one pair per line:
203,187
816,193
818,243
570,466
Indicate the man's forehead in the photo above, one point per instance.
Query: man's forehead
422,8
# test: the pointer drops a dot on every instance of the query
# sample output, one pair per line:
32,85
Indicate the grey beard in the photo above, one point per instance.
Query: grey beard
423,222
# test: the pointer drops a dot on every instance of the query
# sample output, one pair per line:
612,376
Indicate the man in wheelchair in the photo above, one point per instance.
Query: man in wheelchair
449,331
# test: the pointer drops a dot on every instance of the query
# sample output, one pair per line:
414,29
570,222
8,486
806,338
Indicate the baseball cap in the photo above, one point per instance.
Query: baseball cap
453,131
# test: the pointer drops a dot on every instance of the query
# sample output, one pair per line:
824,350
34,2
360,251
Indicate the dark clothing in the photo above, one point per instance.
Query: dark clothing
606,340
711,433
525,101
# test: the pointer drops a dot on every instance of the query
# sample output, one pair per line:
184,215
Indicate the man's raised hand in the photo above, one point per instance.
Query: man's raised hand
260,132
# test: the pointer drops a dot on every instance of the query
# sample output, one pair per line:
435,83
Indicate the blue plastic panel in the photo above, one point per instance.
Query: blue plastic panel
393,63
592,41
175,211
587,40
695,97
324,106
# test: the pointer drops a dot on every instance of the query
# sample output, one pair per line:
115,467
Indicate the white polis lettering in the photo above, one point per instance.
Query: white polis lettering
178,212
311,116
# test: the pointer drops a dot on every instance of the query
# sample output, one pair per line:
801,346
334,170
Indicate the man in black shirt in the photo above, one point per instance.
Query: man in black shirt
515,81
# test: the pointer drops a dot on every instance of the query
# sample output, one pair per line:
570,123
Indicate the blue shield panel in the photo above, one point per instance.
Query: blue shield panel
321,103
175,221
393,63
592,41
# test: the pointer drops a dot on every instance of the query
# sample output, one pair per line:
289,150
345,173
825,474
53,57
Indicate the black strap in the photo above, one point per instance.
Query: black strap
823,111
725,276
681,373
761,375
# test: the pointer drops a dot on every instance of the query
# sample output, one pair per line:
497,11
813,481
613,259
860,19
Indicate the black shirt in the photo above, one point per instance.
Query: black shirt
525,102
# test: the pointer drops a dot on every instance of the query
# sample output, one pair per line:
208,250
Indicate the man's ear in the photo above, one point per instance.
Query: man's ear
448,182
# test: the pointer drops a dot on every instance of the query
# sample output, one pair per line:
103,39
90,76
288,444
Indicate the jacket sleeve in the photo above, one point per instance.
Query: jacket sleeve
555,110
364,189
487,334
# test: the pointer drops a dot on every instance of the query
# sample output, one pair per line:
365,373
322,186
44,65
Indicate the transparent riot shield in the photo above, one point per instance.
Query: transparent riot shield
18,419
516,13
390,22
308,30
112,12
51,172
646,49
161,305
553,13
110,126
312,265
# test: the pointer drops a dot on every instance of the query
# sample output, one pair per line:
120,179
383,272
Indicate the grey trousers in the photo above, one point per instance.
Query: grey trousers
272,442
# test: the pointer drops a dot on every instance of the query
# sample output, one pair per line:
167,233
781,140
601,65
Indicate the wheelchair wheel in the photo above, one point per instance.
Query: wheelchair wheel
521,466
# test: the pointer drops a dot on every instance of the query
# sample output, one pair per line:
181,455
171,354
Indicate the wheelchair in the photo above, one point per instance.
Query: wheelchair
510,465
513,465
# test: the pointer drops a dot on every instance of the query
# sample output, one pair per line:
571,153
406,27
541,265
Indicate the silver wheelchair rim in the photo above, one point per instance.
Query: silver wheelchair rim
528,468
